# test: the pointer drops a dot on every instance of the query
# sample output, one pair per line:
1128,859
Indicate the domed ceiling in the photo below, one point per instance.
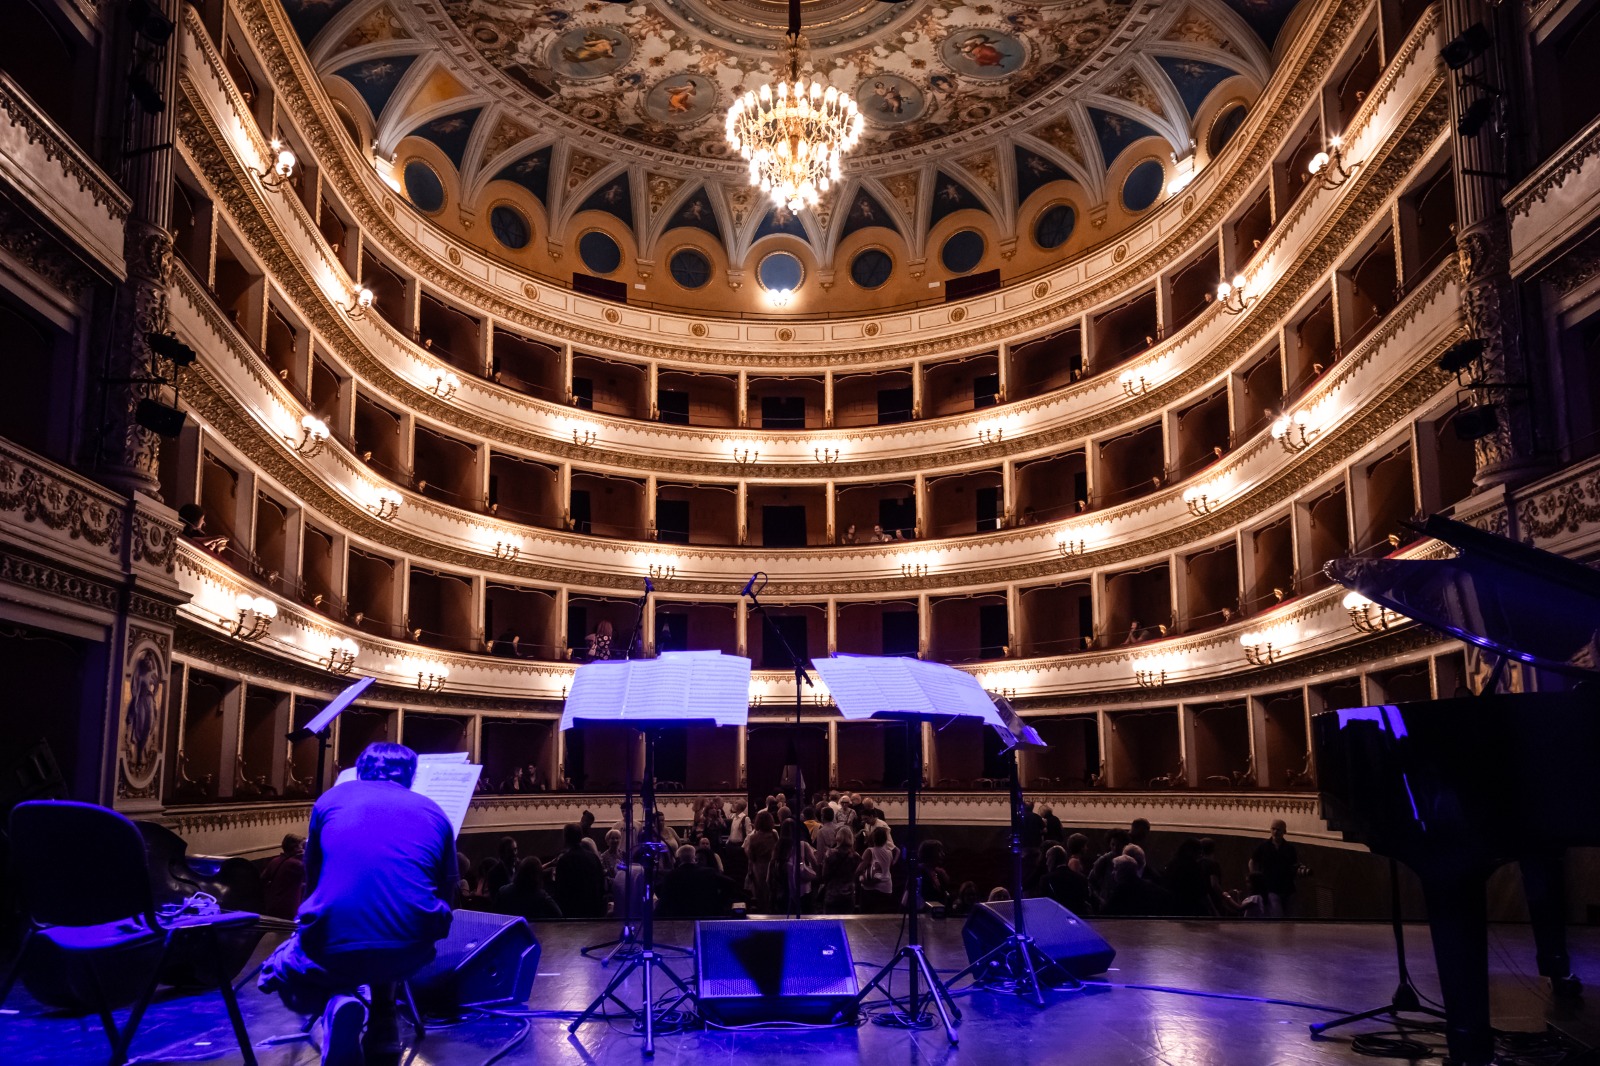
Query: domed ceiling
522,125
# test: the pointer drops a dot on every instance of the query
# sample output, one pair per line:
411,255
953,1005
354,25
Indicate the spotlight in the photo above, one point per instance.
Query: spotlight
1478,422
1475,116
145,92
158,418
1461,355
1467,45
150,23
170,348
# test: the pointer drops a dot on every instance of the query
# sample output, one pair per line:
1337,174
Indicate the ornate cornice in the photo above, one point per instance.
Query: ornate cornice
1536,189
35,493
43,577
42,251
60,148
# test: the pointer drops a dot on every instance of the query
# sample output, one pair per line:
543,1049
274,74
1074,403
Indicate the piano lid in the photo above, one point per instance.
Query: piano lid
1513,599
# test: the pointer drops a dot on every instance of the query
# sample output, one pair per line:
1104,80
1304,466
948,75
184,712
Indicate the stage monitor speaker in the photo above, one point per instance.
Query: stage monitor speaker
486,959
1056,931
756,972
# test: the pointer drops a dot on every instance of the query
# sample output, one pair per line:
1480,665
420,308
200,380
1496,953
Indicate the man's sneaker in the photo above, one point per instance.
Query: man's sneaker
342,1023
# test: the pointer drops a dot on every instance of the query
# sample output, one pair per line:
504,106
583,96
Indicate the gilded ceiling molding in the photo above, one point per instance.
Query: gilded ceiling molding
313,114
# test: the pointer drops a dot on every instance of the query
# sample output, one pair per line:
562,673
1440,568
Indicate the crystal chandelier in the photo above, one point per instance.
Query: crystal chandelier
795,133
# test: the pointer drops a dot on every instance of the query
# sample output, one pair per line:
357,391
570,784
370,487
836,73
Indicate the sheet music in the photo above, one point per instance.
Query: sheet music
678,686
449,780
450,784
867,686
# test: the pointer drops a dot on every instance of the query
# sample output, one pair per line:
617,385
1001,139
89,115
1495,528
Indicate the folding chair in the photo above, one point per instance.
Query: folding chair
82,878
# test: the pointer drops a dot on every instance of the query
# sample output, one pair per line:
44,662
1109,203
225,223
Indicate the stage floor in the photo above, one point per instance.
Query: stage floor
1181,994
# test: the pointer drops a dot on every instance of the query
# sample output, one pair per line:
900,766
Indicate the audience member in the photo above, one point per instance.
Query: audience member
1100,872
580,880
1186,879
761,854
1273,868
283,879
1078,854
966,899
612,855
1032,827
1131,894
526,896
936,891
875,874
1063,884
1053,828
692,889
839,867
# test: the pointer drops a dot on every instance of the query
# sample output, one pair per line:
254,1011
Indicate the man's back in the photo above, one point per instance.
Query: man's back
381,861
580,884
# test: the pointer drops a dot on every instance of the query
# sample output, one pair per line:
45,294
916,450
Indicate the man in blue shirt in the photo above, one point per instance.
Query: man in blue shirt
381,872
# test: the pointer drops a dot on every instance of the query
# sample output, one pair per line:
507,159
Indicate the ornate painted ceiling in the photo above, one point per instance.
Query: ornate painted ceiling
561,111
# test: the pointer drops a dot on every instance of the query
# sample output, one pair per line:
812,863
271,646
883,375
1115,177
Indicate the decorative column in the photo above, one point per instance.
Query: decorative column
1483,243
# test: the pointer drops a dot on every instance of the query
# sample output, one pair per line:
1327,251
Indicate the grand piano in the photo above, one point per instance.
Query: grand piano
1455,788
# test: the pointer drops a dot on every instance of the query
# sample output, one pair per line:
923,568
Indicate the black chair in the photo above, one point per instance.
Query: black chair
93,938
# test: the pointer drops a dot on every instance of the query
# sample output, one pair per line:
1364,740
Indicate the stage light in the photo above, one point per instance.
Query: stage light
159,418
146,94
149,22
1466,46
1461,355
170,348
1475,116
1475,423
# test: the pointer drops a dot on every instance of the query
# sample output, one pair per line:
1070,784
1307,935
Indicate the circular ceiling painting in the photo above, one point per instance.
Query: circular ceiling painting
660,72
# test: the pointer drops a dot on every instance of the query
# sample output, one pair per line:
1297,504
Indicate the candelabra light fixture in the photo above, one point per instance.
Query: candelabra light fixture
384,503
826,455
1329,165
584,435
991,434
1071,547
1133,382
1232,295
252,617
341,657
795,133
431,677
360,303
282,169
745,453
313,437
507,550
1260,648
1369,617
1152,675
445,384
918,569
661,570
1199,501
1295,432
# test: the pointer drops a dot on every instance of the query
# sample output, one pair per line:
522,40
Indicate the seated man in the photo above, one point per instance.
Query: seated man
381,872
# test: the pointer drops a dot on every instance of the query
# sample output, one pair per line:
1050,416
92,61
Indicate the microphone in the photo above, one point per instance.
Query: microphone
748,585
649,586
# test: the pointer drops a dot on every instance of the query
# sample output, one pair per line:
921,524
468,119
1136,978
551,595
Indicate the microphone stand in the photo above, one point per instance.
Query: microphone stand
627,944
802,680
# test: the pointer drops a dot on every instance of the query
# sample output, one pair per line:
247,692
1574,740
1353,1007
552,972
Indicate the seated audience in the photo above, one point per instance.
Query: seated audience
283,879
694,890
526,896
1132,895
580,880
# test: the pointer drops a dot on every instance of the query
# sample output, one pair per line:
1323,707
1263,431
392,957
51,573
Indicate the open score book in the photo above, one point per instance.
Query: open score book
448,780
675,687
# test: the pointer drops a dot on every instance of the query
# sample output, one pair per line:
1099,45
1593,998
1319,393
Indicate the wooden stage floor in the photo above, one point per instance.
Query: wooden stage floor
1180,994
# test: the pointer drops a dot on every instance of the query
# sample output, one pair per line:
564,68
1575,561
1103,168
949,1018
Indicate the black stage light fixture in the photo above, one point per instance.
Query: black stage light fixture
144,91
1475,423
1461,355
148,20
1475,116
1466,46
170,348
159,418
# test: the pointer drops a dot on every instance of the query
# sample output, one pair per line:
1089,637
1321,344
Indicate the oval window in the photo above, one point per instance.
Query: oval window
1054,227
781,270
1224,128
1143,185
599,252
423,187
510,226
962,251
871,268
690,269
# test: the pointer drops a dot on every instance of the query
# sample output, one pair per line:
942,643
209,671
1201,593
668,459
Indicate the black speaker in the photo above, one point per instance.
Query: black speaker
486,959
1060,934
758,971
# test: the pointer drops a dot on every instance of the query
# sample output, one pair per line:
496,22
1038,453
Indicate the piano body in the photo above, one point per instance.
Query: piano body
1455,788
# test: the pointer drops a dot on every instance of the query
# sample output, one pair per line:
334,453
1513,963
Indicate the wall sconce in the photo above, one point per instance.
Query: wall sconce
1133,382
445,384
253,616
1198,502
341,657
1294,432
1259,649
913,569
360,302
1369,617
780,297
431,678
1151,676
507,550
384,503
991,434
744,453
1232,296
283,162
828,456
313,437
584,435
662,571
1330,165
1071,547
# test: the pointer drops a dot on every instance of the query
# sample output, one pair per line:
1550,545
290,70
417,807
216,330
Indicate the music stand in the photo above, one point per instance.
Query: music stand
913,692
1022,957
322,725
679,688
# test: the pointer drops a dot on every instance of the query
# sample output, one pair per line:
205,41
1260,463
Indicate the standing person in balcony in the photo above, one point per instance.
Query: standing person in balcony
600,641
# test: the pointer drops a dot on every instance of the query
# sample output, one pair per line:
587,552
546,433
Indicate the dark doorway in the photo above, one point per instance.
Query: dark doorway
672,521
783,526
672,631
583,394
672,407
579,511
894,405
783,412
791,628
992,630
767,753
988,501
900,633
898,516
985,390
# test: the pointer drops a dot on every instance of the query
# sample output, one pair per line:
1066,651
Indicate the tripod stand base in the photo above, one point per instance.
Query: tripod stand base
1023,960
625,946
908,1010
644,1017
1405,1001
